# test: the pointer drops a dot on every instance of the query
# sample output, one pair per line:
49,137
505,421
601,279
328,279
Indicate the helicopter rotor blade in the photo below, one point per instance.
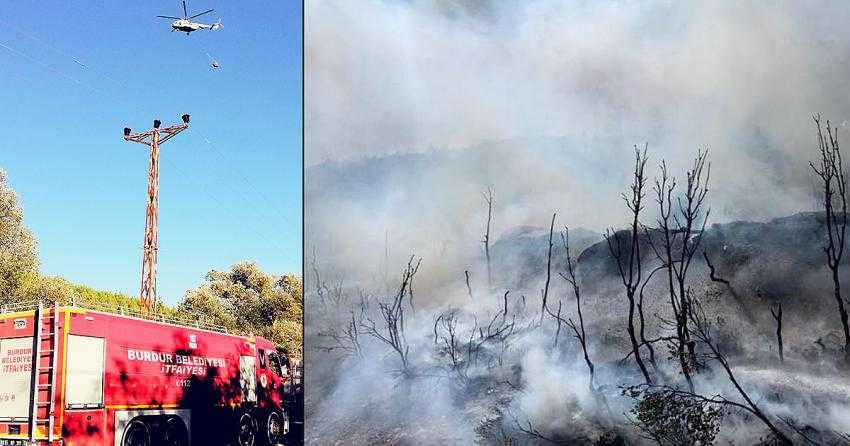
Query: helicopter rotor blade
168,17
184,9
205,12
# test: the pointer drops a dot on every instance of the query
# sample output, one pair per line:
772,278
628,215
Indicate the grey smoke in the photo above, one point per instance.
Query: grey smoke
555,94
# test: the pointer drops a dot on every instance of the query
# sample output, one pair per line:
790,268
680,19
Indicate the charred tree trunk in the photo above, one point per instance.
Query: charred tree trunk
578,331
629,264
545,293
468,287
777,315
664,188
488,197
830,170
681,231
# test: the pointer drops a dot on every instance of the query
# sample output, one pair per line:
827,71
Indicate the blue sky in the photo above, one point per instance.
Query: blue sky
73,74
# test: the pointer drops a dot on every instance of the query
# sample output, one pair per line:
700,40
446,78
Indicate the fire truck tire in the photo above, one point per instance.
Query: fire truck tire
175,433
246,433
273,425
137,433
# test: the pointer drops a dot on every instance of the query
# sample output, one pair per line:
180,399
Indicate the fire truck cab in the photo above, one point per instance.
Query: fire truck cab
77,376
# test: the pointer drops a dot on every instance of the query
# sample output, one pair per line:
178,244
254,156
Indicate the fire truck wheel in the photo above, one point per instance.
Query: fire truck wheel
175,433
137,433
273,428
247,433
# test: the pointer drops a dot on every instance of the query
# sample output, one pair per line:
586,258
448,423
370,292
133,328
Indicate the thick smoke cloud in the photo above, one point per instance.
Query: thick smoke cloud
742,79
552,97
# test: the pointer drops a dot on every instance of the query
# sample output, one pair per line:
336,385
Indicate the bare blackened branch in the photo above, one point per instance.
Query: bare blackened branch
449,344
830,170
629,264
545,293
464,351
642,318
348,340
488,198
558,320
777,316
712,274
468,287
392,313
700,328
578,331
681,231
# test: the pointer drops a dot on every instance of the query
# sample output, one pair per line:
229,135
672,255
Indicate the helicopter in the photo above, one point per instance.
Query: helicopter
186,25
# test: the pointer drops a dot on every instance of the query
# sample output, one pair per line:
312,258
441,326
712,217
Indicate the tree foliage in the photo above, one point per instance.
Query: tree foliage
247,300
675,418
18,254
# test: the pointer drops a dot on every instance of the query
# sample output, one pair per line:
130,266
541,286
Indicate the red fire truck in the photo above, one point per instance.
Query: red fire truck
74,376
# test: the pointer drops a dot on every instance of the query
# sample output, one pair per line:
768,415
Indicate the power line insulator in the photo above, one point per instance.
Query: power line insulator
185,118
126,131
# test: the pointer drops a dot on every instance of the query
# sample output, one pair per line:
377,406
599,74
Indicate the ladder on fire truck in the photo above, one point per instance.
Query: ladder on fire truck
43,390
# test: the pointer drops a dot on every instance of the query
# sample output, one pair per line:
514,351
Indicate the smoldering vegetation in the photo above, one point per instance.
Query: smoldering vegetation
456,149
665,329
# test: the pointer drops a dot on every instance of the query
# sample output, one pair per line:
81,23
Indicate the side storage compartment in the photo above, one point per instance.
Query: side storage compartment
85,421
15,379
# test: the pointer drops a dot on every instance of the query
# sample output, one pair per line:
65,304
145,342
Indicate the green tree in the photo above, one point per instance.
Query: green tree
247,300
18,254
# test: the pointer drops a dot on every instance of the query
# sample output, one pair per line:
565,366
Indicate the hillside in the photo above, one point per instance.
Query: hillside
777,261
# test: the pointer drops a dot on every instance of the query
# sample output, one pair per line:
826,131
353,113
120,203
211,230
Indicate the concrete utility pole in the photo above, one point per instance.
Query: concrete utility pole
152,138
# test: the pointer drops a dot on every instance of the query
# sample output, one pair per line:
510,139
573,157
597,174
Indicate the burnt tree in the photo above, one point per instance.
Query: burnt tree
578,330
488,198
629,263
468,287
830,171
346,340
392,314
777,315
681,226
545,292
463,351
449,343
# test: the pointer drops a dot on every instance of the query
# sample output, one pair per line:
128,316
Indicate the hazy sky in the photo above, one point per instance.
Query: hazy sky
554,95
409,75
74,73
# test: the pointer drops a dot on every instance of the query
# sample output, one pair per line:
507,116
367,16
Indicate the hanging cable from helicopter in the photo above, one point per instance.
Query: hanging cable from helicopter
187,25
